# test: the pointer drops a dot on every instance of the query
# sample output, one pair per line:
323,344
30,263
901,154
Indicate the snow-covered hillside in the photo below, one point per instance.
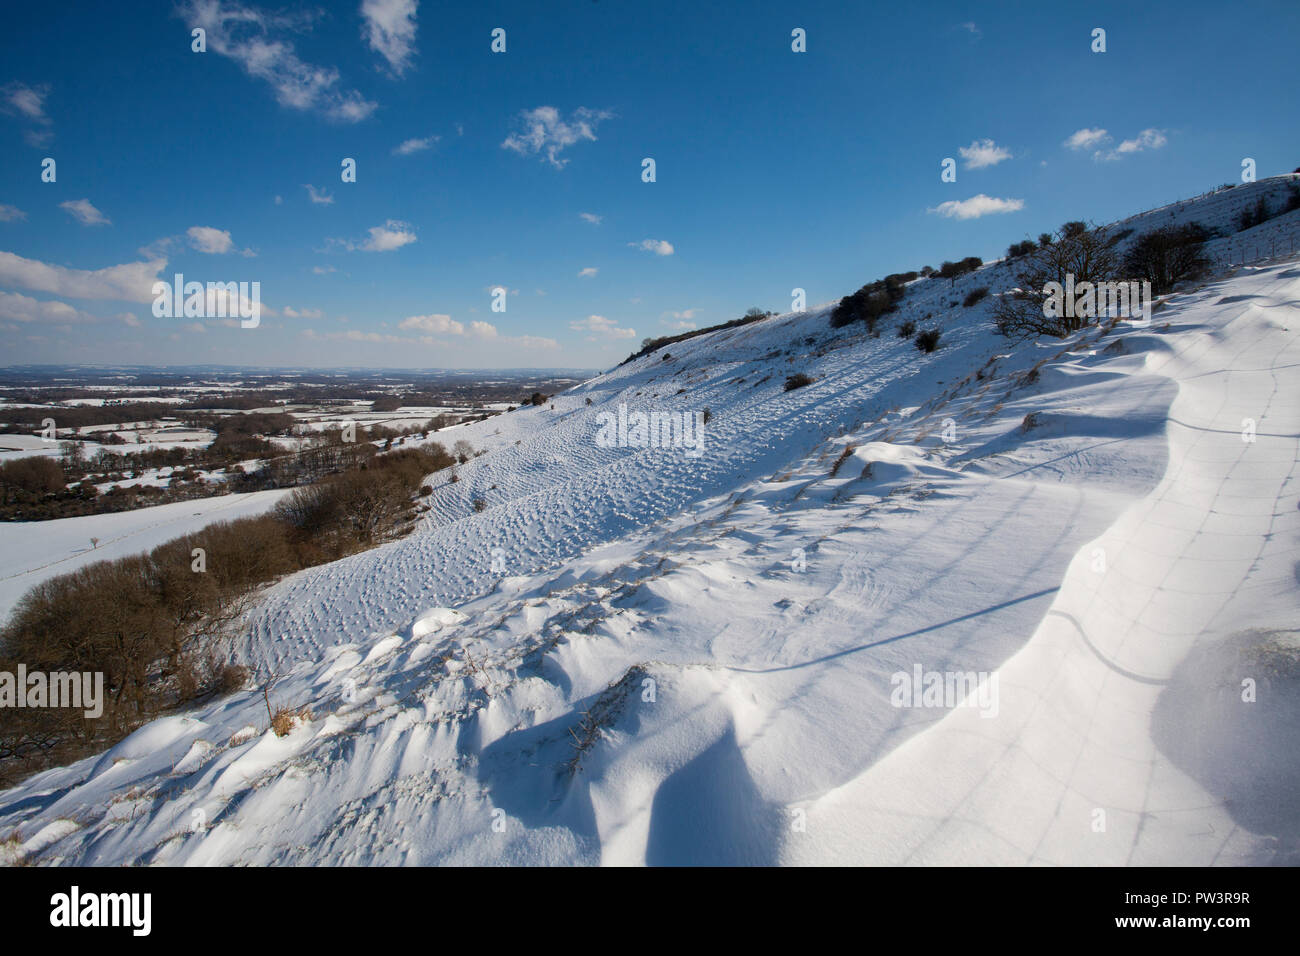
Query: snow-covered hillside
647,656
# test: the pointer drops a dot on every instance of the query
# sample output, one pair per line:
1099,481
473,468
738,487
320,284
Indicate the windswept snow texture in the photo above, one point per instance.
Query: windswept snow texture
697,660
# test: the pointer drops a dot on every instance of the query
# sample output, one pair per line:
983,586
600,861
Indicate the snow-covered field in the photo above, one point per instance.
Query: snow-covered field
31,551
646,656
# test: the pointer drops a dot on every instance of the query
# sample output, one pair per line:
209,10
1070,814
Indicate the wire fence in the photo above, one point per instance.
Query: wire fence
1246,250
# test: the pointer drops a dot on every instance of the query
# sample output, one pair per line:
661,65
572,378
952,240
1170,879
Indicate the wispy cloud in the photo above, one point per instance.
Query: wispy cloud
544,131
318,196
488,331
11,213
1147,139
1086,139
28,102
390,30
682,320
600,327
977,206
393,234
256,41
590,217
982,153
415,145
970,28
442,326
588,272
85,213
660,247
434,324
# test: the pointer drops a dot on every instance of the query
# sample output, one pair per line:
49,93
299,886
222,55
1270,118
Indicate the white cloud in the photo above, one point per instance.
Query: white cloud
588,272
323,270
436,324
210,240
130,282
1147,139
390,30
320,197
977,206
391,235
542,130
28,102
660,247
415,145
970,28
279,200
21,308
983,152
253,39
86,214
11,213
1086,139
289,312
601,327
590,217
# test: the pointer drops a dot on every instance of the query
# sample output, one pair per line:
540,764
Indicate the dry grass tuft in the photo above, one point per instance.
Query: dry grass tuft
286,719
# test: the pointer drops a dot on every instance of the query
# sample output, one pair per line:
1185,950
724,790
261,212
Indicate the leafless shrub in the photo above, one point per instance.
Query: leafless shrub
1085,253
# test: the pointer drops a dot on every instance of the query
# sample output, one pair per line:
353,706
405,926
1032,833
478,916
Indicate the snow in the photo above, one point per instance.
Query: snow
635,656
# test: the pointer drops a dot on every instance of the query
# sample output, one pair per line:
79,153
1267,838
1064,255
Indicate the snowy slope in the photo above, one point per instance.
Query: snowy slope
691,660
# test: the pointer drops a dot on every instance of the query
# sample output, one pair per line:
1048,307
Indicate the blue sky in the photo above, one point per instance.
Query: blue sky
523,169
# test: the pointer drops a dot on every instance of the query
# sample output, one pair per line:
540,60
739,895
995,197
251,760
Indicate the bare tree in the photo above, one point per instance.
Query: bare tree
1076,254
1167,256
